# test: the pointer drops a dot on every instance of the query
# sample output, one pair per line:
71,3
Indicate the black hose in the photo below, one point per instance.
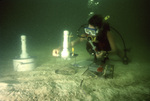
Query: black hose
120,36
82,26
125,58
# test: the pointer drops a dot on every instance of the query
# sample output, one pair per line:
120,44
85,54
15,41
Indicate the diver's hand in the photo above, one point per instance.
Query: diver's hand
55,52
100,54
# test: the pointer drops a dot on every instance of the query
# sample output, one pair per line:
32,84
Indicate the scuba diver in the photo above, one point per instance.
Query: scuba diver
100,41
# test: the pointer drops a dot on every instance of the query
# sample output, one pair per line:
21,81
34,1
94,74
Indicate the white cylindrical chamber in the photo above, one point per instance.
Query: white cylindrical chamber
65,52
65,42
24,53
26,64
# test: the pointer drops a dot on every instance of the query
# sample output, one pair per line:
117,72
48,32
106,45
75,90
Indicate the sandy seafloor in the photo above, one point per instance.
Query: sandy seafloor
130,82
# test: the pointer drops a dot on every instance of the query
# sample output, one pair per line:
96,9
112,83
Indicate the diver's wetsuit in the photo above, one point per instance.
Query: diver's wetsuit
102,43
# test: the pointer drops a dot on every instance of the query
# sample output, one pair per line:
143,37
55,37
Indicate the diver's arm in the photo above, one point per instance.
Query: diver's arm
56,51
74,42
111,42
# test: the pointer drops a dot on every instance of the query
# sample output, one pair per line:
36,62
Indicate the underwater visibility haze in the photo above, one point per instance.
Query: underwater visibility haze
44,21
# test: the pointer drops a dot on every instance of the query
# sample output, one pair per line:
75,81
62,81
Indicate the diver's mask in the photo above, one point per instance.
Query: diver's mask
91,31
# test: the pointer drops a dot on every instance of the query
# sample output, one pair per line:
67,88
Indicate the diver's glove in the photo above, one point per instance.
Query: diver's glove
100,54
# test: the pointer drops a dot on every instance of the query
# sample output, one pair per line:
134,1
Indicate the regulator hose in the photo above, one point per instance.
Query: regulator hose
82,26
125,58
